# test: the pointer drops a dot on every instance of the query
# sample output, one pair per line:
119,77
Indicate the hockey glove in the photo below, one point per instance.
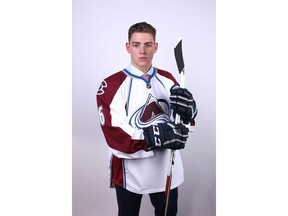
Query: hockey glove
166,135
182,103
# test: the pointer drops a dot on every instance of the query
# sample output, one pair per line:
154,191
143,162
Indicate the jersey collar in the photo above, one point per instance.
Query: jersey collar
136,72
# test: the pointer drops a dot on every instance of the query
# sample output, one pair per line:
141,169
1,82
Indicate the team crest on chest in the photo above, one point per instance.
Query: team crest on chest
154,111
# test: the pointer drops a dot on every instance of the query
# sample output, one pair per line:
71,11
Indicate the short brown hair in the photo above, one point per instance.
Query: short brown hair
142,27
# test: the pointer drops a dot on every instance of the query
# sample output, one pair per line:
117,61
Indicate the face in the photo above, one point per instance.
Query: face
142,48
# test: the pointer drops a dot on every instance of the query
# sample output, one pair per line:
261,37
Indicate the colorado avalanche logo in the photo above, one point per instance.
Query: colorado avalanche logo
101,88
154,111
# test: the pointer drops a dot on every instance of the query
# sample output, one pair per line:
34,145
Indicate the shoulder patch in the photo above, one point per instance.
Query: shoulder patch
102,87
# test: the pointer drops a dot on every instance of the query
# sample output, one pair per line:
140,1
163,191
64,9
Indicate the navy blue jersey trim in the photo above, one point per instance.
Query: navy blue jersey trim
139,77
124,174
129,93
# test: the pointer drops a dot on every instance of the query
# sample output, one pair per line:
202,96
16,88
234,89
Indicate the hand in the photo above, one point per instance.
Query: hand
182,103
166,135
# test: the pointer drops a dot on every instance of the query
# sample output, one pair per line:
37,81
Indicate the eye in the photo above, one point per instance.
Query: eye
135,45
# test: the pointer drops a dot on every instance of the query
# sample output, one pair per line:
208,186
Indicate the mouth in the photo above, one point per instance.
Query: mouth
142,58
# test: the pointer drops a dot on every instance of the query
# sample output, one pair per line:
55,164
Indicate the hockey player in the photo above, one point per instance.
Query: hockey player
137,106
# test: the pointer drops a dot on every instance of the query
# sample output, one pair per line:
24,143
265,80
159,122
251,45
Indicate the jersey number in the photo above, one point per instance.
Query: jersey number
101,115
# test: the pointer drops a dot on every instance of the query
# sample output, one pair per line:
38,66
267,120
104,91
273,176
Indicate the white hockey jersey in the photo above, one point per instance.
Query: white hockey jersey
126,104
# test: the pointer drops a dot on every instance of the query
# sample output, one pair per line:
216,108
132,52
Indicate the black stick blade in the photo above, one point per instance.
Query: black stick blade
179,56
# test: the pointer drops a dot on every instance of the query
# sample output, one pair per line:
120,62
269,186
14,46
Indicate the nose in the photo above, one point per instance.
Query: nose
142,49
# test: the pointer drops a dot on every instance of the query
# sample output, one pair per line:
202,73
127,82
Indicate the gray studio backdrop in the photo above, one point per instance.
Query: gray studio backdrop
99,36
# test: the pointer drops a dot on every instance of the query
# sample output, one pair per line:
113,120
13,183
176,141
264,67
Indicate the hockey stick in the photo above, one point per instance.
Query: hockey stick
180,64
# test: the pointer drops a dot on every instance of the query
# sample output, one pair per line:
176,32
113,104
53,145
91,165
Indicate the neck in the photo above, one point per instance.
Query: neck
143,69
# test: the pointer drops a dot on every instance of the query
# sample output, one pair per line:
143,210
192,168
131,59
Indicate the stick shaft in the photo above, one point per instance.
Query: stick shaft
180,64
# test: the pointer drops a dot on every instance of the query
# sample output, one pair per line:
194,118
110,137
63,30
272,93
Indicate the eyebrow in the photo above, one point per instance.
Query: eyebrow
135,42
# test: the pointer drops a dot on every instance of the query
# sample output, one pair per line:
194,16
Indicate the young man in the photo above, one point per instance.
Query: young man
137,118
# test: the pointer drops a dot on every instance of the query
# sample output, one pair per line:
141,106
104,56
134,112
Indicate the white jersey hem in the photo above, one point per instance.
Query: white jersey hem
156,190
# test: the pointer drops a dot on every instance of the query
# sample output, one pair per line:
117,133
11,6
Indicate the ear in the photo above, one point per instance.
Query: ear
155,47
128,47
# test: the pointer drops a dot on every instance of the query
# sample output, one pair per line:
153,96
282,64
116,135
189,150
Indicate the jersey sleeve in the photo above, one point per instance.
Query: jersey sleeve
123,140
